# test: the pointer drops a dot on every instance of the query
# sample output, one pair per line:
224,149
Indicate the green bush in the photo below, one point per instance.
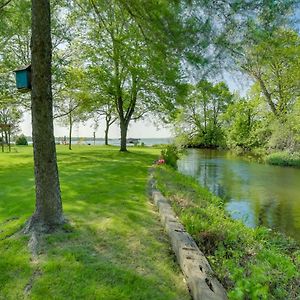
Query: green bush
170,154
21,140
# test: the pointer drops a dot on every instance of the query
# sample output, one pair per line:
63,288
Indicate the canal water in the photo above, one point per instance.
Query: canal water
258,194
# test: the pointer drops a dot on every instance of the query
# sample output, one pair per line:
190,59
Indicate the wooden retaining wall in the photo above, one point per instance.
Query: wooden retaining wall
202,284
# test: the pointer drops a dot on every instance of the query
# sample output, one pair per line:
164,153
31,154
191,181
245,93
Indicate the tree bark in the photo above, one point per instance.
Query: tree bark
124,120
107,125
9,133
267,95
6,136
70,130
106,136
205,114
123,127
2,141
48,211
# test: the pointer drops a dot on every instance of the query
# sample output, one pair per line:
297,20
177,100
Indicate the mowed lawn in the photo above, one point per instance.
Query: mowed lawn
114,247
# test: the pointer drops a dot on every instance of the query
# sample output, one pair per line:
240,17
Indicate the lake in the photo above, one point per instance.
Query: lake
116,142
258,194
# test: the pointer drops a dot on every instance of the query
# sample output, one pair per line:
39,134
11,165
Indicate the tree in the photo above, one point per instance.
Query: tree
274,64
218,31
10,116
16,51
200,114
108,112
98,100
10,112
246,124
70,107
48,212
131,65
68,115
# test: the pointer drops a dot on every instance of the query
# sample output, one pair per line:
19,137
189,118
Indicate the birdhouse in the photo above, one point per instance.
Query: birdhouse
23,79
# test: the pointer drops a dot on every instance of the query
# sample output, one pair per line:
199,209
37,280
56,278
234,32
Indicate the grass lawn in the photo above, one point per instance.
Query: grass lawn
114,247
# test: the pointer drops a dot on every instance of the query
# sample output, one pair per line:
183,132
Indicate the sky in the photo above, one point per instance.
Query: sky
140,129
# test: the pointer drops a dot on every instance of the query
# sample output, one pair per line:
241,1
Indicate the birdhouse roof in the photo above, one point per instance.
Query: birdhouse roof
25,68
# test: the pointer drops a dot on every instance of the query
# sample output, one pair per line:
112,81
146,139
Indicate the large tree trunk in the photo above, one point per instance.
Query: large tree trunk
123,127
48,213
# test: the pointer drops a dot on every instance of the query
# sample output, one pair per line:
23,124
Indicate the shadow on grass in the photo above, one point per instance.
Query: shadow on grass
115,247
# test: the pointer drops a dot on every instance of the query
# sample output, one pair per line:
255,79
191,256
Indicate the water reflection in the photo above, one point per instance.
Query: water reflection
256,193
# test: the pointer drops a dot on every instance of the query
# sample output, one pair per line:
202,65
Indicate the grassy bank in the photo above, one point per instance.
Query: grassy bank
114,247
251,263
283,159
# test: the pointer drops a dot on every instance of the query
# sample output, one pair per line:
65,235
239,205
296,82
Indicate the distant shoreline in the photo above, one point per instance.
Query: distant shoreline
113,141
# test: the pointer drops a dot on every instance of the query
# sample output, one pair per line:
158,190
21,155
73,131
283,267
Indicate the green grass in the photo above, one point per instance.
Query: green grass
283,159
114,246
250,263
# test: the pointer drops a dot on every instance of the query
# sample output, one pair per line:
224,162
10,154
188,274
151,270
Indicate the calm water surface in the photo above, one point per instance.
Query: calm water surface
256,193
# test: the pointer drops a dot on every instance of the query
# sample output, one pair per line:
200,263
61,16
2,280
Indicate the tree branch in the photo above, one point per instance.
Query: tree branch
4,4
66,113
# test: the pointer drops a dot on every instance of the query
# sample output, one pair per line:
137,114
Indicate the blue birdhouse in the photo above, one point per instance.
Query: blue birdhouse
23,79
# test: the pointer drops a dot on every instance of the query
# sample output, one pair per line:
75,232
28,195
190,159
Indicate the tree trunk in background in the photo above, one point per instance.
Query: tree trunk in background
109,120
123,127
2,141
267,95
107,125
205,115
6,136
70,130
106,136
125,118
48,213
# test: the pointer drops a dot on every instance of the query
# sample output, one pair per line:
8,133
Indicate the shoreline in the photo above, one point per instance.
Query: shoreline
232,248
279,158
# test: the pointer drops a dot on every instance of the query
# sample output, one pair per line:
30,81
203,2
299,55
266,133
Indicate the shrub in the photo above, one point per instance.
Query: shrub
170,154
21,140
